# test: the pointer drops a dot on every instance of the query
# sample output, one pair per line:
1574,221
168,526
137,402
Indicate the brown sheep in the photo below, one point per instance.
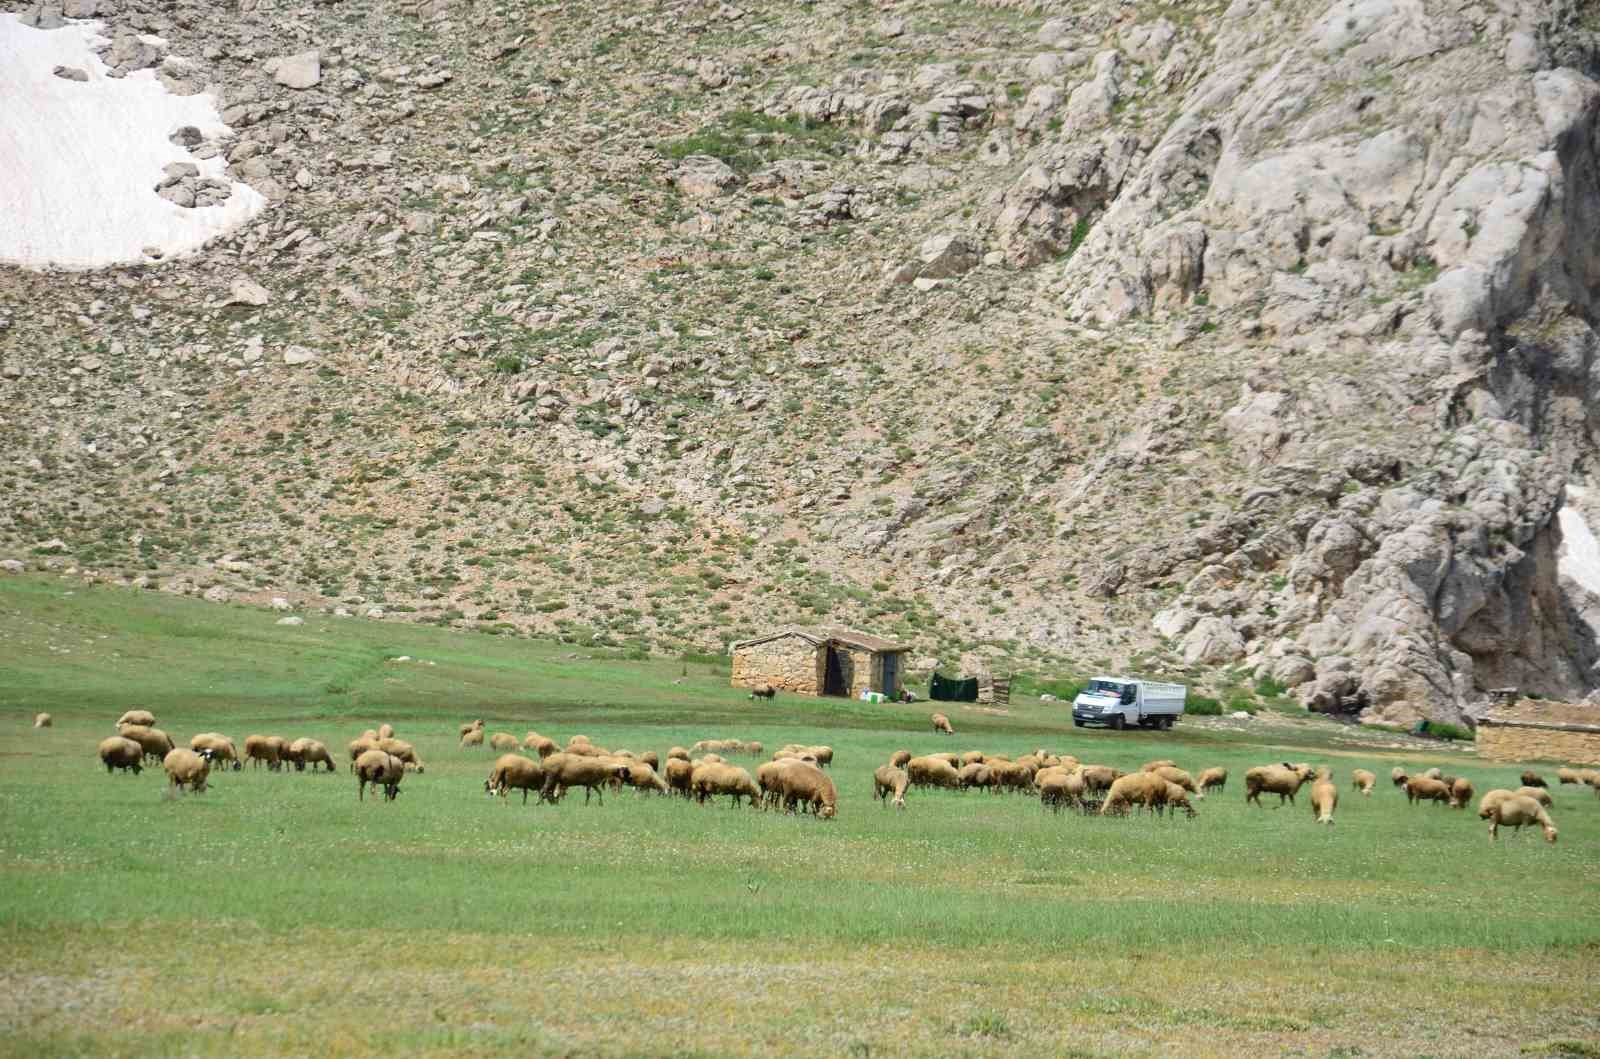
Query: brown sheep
294,753
678,774
1212,779
157,745
1564,775
472,737
280,745
1531,778
953,760
504,742
977,774
379,768
1173,774
1012,776
713,778
1423,789
185,768
764,691
1538,794
1517,811
941,724
805,785
1460,793
119,753
1143,789
1283,780
540,745
650,758
1059,787
1157,766
386,731
823,754
1363,781
472,726
316,753
139,717
890,782
1099,777
644,778
971,757
576,770
259,750
932,772
361,746
1434,773
221,747
1397,776
43,720
677,753
514,771
1175,798
1324,797
401,749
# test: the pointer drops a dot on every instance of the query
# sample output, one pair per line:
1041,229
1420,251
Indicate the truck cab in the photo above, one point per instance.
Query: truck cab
1119,702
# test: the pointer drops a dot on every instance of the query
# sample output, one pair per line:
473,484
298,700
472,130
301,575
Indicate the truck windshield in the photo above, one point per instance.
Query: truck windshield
1104,687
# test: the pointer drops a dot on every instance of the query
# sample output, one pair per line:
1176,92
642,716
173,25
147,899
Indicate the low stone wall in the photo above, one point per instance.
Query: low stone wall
1569,745
788,664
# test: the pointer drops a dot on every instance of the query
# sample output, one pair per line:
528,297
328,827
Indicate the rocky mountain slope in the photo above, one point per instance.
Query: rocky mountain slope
1185,337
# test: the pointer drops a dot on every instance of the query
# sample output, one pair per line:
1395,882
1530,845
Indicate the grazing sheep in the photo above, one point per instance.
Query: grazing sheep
713,778
1538,794
1212,778
1099,777
1012,776
649,758
371,735
221,747
119,753
42,720
540,745
1460,793
1397,776
1499,794
379,768
890,782
932,772
899,758
139,717
577,770
185,768
1059,787
1516,811
1283,780
294,753
677,753
764,691
314,753
1423,789
360,746
941,724
578,740
1531,778
1156,766
1143,789
504,742
972,757
1434,773
514,771
279,745
678,774
472,726
1564,775
471,737
823,754
403,750
1173,774
766,777
643,777
386,731
977,774
156,743
1324,797
1363,781
803,785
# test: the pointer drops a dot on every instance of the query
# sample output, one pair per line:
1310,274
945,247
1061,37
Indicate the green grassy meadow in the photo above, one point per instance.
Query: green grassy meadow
276,914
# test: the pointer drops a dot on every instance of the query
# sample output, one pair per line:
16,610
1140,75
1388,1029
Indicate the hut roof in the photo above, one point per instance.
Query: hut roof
1545,712
818,637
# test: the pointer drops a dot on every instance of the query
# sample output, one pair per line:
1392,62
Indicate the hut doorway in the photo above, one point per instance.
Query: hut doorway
833,677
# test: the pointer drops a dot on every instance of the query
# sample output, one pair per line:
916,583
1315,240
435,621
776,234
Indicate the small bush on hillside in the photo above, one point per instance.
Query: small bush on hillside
1202,706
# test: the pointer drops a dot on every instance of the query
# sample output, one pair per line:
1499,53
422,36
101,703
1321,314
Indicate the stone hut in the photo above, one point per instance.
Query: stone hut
820,662
1540,730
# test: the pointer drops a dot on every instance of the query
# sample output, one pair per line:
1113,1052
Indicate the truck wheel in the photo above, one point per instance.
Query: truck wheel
1077,723
1166,723
1117,722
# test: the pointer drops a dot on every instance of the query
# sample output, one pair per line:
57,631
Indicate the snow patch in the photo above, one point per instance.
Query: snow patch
1580,551
81,159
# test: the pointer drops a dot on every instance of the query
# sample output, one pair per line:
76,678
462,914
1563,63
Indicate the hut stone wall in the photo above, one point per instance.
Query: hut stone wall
788,663
1510,741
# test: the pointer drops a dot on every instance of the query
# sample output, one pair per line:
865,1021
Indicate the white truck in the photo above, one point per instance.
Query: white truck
1122,702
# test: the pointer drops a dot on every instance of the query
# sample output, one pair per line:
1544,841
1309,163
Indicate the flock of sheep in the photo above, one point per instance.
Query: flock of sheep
796,777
